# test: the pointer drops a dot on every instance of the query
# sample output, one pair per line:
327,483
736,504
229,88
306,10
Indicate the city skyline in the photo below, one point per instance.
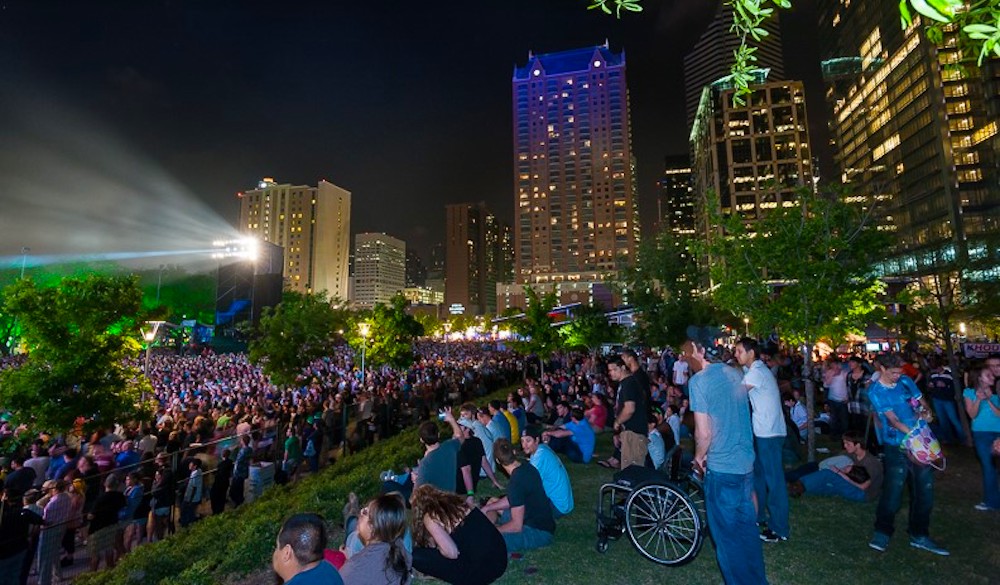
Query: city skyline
187,90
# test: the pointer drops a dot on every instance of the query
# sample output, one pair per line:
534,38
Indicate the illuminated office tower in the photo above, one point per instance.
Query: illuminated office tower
477,257
575,216
312,224
379,269
675,202
711,58
914,135
753,157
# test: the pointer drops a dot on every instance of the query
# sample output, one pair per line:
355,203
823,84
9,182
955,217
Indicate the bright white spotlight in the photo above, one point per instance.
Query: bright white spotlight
247,248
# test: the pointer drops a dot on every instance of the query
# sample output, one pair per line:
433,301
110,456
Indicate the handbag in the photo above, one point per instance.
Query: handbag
922,447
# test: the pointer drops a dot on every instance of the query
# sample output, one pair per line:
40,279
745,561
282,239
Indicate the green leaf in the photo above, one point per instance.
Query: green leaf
924,8
979,28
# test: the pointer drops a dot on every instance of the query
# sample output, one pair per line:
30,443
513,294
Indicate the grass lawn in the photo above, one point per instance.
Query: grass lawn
829,541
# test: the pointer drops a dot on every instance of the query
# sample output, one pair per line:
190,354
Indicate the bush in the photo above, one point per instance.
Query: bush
241,540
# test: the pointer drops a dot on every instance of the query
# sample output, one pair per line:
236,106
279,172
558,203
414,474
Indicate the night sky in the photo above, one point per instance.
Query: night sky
407,105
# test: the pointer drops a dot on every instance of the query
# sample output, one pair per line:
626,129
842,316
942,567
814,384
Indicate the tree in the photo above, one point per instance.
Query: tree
979,23
538,336
807,272
662,286
300,329
589,329
392,332
80,336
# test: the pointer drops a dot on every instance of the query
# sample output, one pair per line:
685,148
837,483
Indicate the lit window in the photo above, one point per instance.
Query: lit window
597,63
536,72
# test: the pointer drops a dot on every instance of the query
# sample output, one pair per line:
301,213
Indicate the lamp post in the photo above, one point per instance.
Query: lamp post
447,348
159,281
746,326
24,259
365,330
150,337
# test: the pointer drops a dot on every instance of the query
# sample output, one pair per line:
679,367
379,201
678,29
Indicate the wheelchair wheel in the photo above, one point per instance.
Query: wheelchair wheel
663,524
696,493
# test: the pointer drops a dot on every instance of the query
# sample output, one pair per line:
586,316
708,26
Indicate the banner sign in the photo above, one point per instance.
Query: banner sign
979,350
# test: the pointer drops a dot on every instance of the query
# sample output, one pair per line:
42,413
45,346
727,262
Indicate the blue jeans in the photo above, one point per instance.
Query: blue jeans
827,483
769,484
738,549
991,487
527,539
897,469
949,425
567,446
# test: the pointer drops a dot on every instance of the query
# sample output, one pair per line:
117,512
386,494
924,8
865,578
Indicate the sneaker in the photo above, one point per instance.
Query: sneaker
768,535
925,543
879,542
982,507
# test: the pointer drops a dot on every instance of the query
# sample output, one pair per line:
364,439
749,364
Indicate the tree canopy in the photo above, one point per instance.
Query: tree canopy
589,329
81,339
538,335
391,333
300,329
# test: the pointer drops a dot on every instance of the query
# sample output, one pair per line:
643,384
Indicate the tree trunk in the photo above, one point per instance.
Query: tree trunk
957,376
810,386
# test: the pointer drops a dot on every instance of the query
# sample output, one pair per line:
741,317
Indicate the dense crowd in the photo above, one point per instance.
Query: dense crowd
735,414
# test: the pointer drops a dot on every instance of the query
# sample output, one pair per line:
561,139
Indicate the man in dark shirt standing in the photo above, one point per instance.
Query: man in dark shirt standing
942,391
631,414
14,523
526,521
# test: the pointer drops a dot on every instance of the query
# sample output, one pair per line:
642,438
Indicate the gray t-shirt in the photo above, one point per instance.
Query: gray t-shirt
438,467
718,391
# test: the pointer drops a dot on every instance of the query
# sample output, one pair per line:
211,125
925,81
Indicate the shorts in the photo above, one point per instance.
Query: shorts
634,448
161,512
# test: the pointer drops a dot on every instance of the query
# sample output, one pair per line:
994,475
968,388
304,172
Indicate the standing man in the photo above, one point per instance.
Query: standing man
724,450
630,417
890,396
768,437
192,493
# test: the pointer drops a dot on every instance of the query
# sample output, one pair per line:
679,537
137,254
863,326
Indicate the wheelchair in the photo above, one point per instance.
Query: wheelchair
663,517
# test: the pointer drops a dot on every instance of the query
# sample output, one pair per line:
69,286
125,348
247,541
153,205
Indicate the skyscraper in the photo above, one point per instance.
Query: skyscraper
312,224
915,134
574,194
711,58
753,157
675,202
416,272
477,257
379,269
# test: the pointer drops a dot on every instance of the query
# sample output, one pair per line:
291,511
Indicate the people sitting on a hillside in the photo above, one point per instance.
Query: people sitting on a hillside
298,552
524,515
856,479
440,462
455,542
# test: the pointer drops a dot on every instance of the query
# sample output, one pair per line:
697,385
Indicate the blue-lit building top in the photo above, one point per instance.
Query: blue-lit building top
574,194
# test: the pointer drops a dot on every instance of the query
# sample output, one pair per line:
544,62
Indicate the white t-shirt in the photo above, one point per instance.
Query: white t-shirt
680,372
765,398
837,388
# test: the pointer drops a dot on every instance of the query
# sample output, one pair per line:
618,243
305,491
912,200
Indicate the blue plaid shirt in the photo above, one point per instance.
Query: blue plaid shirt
896,400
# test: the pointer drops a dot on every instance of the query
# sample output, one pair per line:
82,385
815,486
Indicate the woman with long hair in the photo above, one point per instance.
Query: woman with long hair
453,541
383,560
983,407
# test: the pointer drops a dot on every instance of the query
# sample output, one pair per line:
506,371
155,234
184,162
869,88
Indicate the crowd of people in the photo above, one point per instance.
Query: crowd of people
733,414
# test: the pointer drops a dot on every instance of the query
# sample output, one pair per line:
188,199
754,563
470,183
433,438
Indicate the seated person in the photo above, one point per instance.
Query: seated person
440,459
575,438
471,461
797,412
455,541
298,553
385,558
597,414
525,513
858,482
555,480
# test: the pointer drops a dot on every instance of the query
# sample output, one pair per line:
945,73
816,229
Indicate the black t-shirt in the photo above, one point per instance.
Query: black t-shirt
470,454
631,390
525,489
15,522
106,509
942,386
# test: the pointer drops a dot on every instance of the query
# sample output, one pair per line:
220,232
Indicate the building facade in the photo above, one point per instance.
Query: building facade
675,203
753,157
477,257
711,58
312,224
575,215
379,269
915,135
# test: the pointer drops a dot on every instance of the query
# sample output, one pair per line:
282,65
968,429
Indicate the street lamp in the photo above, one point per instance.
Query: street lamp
746,326
447,348
150,336
24,259
365,330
